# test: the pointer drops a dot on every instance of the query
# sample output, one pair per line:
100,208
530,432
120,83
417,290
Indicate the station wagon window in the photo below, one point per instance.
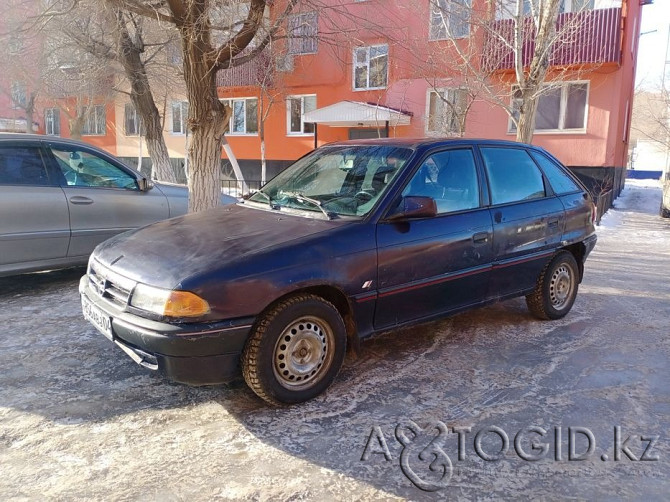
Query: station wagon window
87,170
21,165
449,177
512,175
559,181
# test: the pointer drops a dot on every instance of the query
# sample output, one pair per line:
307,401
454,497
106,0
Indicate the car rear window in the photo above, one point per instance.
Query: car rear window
559,181
512,174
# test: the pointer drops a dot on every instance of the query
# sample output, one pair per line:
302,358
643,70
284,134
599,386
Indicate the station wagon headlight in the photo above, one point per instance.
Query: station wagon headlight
167,302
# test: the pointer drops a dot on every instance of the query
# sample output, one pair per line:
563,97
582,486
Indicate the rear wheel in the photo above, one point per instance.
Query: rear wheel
295,350
556,288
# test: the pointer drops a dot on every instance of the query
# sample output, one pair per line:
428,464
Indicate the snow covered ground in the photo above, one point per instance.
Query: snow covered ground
79,420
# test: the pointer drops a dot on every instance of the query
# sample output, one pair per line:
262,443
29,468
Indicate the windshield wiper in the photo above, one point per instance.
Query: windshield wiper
303,198
269,199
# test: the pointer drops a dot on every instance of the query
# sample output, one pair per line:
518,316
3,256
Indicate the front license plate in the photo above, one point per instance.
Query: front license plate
97,317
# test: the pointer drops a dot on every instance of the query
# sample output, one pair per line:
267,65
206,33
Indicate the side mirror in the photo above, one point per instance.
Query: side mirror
414,206
144,184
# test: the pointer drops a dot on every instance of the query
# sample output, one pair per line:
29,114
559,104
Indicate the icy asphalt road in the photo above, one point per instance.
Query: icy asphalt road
79,420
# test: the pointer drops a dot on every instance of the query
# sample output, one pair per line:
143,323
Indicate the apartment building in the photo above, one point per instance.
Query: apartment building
368,68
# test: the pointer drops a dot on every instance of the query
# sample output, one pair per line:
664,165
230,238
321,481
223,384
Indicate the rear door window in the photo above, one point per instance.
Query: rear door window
512,174
559,181
22,165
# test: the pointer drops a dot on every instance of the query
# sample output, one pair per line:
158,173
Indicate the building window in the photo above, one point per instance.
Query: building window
449,19
95,123
296,107
132,121
445,111
244,119
303,29
19,95
562,107
179,116
371,67
52,121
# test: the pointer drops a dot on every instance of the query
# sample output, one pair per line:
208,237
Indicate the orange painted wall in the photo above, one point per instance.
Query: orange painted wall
328,74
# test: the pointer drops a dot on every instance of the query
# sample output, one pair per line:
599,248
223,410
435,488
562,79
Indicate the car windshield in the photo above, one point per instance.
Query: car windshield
344,180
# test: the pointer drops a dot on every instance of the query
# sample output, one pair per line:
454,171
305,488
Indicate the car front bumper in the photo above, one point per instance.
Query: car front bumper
192,353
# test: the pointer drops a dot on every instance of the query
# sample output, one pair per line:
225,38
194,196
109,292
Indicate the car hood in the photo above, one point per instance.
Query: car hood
166,253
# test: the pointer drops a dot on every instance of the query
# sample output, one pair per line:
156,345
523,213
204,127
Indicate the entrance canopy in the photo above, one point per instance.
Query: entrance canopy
357,114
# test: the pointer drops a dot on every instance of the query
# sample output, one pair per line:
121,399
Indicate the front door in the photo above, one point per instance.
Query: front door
433,265
104,199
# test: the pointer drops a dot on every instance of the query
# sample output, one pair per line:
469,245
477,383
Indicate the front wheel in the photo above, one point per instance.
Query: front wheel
295,350
556,288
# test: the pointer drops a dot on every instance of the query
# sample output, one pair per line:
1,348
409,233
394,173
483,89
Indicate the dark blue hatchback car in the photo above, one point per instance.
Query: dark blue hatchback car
354,238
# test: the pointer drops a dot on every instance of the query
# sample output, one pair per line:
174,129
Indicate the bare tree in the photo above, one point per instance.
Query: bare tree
478,42
204,56
130,47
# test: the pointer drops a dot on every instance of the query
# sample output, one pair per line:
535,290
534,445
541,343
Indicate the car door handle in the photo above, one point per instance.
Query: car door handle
553,222
78,199
480,238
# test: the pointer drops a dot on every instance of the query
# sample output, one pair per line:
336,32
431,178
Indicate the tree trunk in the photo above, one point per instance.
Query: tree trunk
207,116
526,122
204,181
143,101
30,111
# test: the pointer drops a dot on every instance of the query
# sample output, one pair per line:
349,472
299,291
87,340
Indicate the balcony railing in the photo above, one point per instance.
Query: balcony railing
256,72
586,37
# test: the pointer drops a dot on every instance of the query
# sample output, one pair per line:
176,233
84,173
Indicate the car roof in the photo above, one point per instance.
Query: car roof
15,136
431,142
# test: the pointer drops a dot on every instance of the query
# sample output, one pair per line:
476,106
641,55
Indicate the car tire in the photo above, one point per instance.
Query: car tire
665,213
295,350
556,288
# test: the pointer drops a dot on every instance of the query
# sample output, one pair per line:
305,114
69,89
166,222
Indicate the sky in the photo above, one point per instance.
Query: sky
653,42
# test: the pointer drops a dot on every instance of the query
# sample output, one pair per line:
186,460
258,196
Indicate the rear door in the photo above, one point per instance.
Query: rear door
433,265
103,197
34,222
528,219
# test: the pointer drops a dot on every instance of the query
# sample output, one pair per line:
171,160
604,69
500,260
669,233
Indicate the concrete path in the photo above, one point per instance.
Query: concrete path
79,420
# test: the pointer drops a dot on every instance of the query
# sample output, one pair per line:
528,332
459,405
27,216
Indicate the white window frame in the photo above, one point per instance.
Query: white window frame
184,117
302,22
442,90
92,118
229,102
52,121
302,114
367,62
435,9
562,111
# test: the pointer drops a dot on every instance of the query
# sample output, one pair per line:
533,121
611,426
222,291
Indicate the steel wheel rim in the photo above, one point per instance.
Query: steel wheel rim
561,286
303,353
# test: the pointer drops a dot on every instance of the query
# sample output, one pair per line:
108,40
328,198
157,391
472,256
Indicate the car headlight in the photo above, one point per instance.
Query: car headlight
167,302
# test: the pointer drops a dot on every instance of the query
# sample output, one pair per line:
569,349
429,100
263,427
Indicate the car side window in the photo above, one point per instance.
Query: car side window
559,181
22,165
449,177
84,169
512,174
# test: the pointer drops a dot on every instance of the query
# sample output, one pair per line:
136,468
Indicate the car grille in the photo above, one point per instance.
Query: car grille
108,285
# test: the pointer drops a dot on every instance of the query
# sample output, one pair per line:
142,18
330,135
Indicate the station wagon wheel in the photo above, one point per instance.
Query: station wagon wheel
556,288
295,350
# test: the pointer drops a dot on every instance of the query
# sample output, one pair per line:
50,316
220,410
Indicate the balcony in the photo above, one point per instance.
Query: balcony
586,37
257,72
